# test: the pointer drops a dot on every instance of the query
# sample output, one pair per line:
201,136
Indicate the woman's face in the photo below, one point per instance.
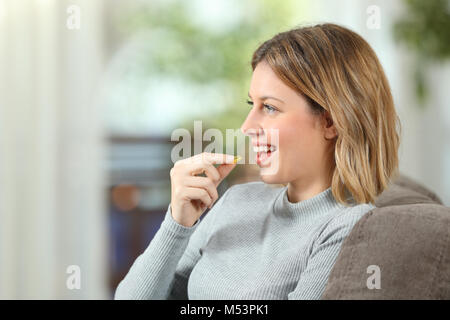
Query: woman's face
302,151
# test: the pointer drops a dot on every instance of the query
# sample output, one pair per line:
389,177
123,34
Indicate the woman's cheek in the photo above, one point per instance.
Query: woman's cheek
288,139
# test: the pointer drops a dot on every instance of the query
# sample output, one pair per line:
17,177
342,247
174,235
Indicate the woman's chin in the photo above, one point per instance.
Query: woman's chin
268,177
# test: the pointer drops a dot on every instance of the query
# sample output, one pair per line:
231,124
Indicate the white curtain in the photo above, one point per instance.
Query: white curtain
52,206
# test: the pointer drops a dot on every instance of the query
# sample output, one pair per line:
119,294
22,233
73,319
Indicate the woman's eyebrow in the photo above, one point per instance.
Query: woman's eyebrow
266,97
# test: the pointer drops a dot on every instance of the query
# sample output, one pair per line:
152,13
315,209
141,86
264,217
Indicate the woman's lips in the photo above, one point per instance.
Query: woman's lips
263,158
263,151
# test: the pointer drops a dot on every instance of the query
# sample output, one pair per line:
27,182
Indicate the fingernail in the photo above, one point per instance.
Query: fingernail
236,159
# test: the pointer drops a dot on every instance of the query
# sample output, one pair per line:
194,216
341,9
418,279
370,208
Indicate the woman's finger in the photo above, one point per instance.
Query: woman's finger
205,183
190,193
203,167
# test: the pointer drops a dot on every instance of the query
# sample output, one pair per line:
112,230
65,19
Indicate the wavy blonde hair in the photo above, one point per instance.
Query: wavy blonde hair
337,71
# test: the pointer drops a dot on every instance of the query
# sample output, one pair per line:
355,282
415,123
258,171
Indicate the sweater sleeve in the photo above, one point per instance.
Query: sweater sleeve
314,278
162,270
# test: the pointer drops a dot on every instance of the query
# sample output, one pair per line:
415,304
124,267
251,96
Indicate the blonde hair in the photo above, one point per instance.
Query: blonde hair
337,71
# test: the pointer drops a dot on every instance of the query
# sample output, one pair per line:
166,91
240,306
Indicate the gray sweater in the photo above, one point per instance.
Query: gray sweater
253,244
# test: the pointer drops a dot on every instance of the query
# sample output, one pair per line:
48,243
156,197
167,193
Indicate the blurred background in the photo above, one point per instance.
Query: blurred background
91,91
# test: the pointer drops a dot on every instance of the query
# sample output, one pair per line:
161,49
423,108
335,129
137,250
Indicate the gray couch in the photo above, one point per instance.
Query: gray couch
400,250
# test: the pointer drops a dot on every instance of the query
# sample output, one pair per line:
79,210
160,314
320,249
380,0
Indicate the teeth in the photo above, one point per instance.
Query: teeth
263,148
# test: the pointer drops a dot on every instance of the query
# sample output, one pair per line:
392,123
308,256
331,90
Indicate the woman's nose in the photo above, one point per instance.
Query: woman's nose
251,126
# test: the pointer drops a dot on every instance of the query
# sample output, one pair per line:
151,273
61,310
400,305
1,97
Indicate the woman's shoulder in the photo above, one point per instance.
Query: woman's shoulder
360,208
349,216
341,223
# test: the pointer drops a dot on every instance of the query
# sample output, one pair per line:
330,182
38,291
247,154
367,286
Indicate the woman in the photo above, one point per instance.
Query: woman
324,92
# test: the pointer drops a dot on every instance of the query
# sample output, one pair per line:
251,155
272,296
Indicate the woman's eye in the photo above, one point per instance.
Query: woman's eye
269,109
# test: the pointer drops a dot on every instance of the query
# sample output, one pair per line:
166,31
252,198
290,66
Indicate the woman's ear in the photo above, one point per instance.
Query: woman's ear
329,128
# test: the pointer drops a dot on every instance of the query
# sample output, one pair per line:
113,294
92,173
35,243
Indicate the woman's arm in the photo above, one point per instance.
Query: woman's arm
162,270
153,270
161,267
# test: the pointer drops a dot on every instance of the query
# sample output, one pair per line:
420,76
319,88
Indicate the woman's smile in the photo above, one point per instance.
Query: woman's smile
263,158
264,151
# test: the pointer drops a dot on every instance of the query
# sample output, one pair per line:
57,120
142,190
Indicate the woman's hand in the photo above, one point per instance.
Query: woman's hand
192,194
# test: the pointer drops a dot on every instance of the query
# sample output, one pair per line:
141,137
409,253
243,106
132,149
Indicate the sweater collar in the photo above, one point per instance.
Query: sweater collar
320,204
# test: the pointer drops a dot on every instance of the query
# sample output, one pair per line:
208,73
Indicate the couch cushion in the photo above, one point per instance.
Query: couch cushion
408,237
411,246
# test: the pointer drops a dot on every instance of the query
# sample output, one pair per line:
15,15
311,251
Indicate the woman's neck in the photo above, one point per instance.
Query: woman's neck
302,189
